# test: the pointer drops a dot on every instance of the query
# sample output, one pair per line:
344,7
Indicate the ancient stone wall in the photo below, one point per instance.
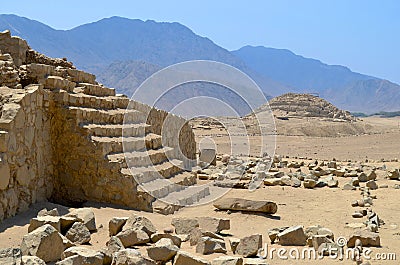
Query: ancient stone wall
26,169
46,149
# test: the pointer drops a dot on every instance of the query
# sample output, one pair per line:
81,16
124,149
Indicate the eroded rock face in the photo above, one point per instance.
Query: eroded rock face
44,242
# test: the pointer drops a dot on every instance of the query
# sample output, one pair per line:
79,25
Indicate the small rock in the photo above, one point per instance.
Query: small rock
54,221
309,183
45,212
372,184
233,242
115,225
130,257
113,245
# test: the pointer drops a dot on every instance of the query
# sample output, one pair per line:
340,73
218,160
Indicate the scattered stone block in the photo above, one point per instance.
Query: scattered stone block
132,236
86,215
368,239
293,236
81,255
185,258
249,246
78,234
44,242
175,239
184,225
227,260
163,250
238,204
208,245
140,223
214,225
115,225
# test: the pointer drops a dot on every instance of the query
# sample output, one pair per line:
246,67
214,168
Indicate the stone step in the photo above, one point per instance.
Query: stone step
113,116
141,158
89,101
97,90
117,130
127,144
166,169
176,200
160,188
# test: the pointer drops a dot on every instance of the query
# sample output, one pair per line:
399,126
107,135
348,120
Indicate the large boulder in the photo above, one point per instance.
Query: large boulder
163,250
184,225
185,258
78,234
249,246
86,216
238,204
44,242
293,236
132,236
209,245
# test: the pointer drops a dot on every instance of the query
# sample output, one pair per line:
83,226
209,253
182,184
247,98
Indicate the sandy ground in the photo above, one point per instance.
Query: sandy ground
328,207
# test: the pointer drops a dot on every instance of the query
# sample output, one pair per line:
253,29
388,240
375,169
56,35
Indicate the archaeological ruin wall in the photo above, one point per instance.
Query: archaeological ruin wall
59,128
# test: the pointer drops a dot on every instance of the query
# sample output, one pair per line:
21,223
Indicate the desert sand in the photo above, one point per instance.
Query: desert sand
328,207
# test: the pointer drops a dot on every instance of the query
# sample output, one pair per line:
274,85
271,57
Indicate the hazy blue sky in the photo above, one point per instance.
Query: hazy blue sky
361,34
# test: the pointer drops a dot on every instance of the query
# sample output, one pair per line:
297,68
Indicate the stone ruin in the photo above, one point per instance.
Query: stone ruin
306,105
61,139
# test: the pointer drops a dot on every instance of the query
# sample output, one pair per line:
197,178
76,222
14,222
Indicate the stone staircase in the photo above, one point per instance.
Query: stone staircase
118,128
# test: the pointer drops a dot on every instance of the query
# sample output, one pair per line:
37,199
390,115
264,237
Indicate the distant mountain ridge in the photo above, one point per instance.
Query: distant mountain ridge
123,52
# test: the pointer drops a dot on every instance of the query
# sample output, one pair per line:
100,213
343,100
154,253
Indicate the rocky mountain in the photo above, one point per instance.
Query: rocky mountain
123,52
338,84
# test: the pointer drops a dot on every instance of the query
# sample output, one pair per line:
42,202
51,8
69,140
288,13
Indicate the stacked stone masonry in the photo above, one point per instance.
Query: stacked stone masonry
61,138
